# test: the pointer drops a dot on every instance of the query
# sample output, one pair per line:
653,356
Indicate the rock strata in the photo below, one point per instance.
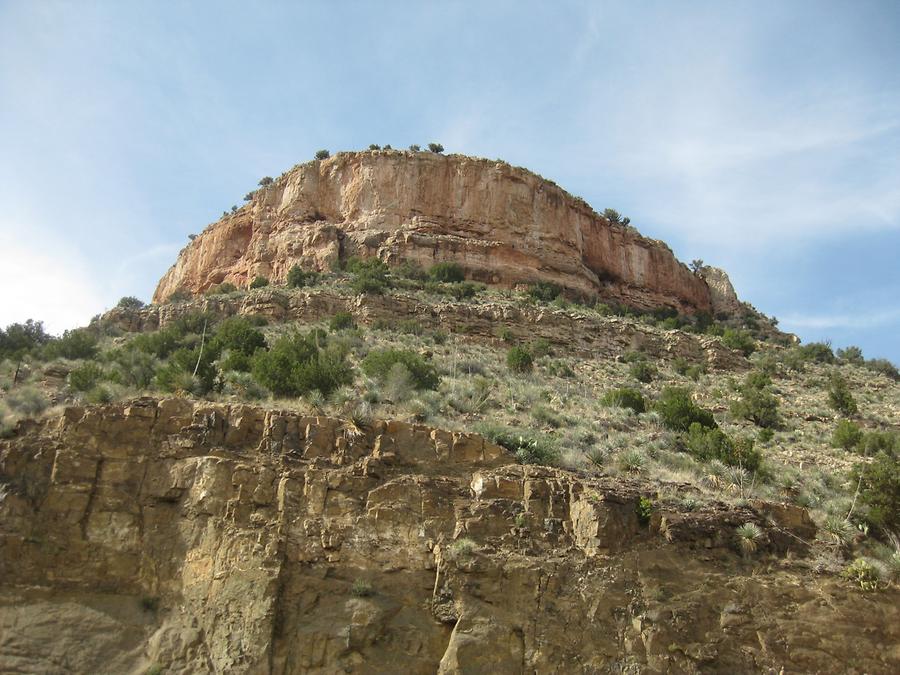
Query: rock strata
194,537
503,224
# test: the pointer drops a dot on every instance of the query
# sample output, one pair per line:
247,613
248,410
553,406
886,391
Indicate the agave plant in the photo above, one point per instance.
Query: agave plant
748,536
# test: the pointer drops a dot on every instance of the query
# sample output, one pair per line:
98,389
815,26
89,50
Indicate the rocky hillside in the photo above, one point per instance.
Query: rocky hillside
503,224
328,447
169,536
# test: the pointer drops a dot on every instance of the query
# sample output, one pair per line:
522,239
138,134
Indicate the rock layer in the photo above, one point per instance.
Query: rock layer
504,225
193,537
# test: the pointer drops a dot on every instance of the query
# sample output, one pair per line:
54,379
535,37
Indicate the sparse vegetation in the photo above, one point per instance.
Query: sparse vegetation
259,282
519,360
839,396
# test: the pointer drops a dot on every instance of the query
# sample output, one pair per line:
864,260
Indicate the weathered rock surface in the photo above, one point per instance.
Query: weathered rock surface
584,334
504,224
199,537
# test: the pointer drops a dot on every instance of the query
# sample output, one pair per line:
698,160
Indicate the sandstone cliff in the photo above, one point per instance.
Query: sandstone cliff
186,537
504,224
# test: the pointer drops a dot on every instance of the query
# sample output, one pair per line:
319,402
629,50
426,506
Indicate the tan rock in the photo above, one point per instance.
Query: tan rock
503,224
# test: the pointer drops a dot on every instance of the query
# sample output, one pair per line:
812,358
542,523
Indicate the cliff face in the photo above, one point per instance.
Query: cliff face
505,225
192,537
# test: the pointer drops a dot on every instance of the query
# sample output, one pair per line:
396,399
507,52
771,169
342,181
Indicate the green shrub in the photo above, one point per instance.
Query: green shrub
27,401
519,360
817,352
98,395
874,442
740,340
880,490
884,367
678,412
644,509
643,371
851,354
465,290
300,364
410,327
160,343
625,398
297,277
379,362
80,343
847,435
862,573
259,282
222,289
237,333
361,589
435,147
266,181
130,302
710,444
507,335
528,448
541,347
18,339
85,377
447,272
177,374
370,276
757,403
412,271
322,154
839,396
341,321
544,291
133,367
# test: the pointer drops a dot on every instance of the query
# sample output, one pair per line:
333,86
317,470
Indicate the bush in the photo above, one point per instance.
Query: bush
435,147
266,181
527,447
710,444
222,289
85,377
447,272
178,297
379,362
839,396
625,398
544,291
177,374
238,339
678,411
851,354
757,403
817,352
369,276
412,271
519,360
880,441
259,282
884,367
80,343
740,340
465,290
297,277
341,321
847,435
27,401
880,490
20,338
299,364
133,368
130,302
414,148
322,154
160,343
643,371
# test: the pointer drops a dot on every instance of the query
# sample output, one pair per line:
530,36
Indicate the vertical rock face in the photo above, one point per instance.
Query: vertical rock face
179,537
504,225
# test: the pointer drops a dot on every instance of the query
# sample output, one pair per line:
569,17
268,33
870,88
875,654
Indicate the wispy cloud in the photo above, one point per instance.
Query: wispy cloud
858,320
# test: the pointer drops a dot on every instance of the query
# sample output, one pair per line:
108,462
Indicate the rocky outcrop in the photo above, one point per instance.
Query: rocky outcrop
503,224
585,334
185,537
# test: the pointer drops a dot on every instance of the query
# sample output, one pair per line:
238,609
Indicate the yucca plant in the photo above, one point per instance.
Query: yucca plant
748,536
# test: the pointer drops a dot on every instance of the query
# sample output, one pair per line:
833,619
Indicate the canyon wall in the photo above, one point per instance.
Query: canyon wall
503,224
184,537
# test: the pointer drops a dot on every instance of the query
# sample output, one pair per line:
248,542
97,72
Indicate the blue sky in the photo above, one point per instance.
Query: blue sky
762,137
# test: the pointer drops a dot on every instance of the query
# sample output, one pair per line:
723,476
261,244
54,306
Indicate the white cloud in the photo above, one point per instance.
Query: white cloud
859,320
46,281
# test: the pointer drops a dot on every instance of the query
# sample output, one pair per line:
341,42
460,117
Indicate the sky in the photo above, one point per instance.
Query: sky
762,137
